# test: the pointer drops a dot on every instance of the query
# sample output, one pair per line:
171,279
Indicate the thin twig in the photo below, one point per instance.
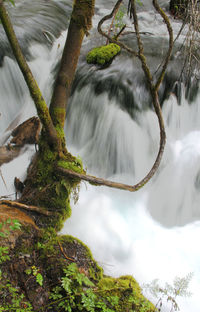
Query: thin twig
61,249
171,43
103,33
4,182
111,24
120,32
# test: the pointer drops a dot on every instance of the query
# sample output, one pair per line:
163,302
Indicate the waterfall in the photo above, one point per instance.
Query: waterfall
111,125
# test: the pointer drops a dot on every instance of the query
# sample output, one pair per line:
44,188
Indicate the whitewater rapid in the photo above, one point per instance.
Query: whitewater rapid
152,233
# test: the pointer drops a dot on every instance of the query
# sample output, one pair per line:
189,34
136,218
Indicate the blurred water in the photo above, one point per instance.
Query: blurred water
152,233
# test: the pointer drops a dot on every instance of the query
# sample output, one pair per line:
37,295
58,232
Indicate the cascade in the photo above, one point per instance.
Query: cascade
110,124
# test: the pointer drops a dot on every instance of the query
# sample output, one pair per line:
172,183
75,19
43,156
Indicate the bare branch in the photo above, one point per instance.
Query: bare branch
154,95
171,43
120,32
141,55
103,33
111,24
4,182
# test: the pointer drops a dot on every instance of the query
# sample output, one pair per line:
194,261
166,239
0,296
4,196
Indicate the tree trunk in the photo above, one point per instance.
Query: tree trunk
42,182
41,271
80,23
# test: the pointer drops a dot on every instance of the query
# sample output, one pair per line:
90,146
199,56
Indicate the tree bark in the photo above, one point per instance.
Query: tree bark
44,206
80,23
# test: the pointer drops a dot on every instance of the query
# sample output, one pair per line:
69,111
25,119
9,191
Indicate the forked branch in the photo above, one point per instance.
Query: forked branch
110,39
153,90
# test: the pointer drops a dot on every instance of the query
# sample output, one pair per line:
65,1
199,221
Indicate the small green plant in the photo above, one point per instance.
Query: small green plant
35,272
139,2
77,291
4,254
12,300
169,292
10,225
12,1
118,21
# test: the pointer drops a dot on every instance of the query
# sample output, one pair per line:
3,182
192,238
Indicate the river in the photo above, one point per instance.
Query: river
152,233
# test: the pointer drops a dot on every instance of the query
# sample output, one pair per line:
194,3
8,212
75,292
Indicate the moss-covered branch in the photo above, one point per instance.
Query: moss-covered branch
35,92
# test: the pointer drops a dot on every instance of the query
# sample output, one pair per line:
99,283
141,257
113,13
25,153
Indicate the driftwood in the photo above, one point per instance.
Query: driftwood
26,133
8,153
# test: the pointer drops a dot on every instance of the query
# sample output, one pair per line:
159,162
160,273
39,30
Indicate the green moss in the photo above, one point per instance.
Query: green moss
58,116
49,246
128,292
103,55
94,270
75,165
52,190
110,294
70,275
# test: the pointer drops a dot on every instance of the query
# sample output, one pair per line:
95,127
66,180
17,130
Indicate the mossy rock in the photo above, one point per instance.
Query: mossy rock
103,55
69,279
125,293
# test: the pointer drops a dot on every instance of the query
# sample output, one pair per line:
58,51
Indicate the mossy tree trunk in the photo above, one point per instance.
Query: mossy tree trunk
80,23
34,259
43,186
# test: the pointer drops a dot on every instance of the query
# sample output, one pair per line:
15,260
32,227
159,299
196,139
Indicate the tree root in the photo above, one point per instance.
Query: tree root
17,205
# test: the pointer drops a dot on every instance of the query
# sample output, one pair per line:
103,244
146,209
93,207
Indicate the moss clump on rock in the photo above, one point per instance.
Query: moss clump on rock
57,273
103,55
126,294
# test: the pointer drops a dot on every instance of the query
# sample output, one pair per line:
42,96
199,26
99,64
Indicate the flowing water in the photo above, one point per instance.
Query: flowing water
152,233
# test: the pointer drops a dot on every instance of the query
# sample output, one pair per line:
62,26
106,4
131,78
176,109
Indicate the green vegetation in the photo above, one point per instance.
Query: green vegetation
118,21
12,299
103,55
7,226
35,272
58,273
4,254
78,293
169,293
12,1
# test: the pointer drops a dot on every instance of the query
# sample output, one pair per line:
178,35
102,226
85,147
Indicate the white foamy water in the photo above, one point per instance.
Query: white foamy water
152,233
117,225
